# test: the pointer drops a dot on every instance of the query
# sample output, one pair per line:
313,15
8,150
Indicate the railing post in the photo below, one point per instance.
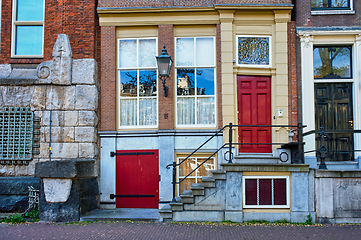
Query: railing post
300,144
174,181
322,151
230,143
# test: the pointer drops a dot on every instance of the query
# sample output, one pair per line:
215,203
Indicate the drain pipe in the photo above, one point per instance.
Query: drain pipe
50,136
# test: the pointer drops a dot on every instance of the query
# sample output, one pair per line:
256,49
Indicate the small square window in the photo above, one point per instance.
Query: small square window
253,51
332,62
266,192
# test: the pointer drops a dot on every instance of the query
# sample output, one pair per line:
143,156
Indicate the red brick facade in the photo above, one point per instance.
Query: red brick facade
107,104
166,104
77,19
305,19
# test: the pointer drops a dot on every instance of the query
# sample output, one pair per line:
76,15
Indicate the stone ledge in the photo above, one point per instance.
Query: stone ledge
18,185
337,174
236,167
65,169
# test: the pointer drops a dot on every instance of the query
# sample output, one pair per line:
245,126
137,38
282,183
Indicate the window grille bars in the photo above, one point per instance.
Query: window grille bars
16,135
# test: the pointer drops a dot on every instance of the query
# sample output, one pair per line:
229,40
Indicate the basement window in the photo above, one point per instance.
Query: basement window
266,192
16,135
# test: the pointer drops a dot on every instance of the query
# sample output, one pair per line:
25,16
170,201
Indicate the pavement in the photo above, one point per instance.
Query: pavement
139,214
157,230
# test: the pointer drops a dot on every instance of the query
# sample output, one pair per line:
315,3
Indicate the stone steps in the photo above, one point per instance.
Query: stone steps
250,158
185,209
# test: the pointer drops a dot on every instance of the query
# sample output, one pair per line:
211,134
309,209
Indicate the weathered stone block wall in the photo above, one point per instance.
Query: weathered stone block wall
68,189
69,90
338,196
14,192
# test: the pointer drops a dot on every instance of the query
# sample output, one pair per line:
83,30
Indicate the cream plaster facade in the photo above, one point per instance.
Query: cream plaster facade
265,21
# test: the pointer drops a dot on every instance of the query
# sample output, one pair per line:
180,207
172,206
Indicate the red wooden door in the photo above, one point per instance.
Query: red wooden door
137,179
254,108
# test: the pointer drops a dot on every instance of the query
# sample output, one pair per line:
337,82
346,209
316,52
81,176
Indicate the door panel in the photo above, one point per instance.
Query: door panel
254,108
333,111
137,174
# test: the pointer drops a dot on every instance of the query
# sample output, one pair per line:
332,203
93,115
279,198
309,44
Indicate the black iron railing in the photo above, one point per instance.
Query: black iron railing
230,144
323,135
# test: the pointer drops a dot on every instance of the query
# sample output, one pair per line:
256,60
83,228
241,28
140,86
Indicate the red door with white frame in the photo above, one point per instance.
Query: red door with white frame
137,179
254,108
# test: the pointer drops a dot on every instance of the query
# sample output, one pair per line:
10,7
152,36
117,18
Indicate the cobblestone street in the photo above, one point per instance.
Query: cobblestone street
146,230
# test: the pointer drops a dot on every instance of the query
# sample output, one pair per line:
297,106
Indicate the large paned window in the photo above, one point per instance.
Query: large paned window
196,74
332,62
266,192
137,74
28,28
196,177
330,4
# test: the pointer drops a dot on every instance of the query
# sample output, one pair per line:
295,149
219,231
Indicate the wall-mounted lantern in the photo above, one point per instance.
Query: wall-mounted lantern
164,63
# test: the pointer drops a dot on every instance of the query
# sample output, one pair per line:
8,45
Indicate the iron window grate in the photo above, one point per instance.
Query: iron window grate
16,135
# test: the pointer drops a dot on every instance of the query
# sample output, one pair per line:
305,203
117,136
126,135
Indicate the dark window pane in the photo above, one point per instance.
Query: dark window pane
333,4
185,81
280,191
147,83
332,62
319,3
265,192
128,83
205,81
340,3
251,191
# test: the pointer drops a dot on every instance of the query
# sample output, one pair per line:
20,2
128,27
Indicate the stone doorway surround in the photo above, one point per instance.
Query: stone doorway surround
330,36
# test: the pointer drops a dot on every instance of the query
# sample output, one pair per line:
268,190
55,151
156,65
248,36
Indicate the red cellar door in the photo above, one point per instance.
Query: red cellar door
137,179
254,108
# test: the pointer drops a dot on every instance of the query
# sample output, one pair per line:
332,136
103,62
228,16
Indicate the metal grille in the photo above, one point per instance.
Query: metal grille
16,135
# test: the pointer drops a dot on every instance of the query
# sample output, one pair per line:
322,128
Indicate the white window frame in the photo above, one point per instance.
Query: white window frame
288,190
256,65
25,23
137,97
195,67
179,159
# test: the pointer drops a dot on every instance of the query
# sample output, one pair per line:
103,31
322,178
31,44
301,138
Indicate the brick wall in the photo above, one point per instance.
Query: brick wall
305,19
166,104
107,106
178,3
292,75
76,18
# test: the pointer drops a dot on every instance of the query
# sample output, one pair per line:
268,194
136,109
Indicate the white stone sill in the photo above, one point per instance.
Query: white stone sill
332,12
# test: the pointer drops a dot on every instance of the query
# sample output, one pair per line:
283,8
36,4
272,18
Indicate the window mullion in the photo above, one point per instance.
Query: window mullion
195,97
273,191
257,191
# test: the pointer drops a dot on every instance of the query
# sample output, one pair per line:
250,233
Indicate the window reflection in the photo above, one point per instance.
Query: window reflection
332,62
148,83
128,83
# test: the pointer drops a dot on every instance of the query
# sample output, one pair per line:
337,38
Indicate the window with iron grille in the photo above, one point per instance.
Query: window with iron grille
266,192
16,135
